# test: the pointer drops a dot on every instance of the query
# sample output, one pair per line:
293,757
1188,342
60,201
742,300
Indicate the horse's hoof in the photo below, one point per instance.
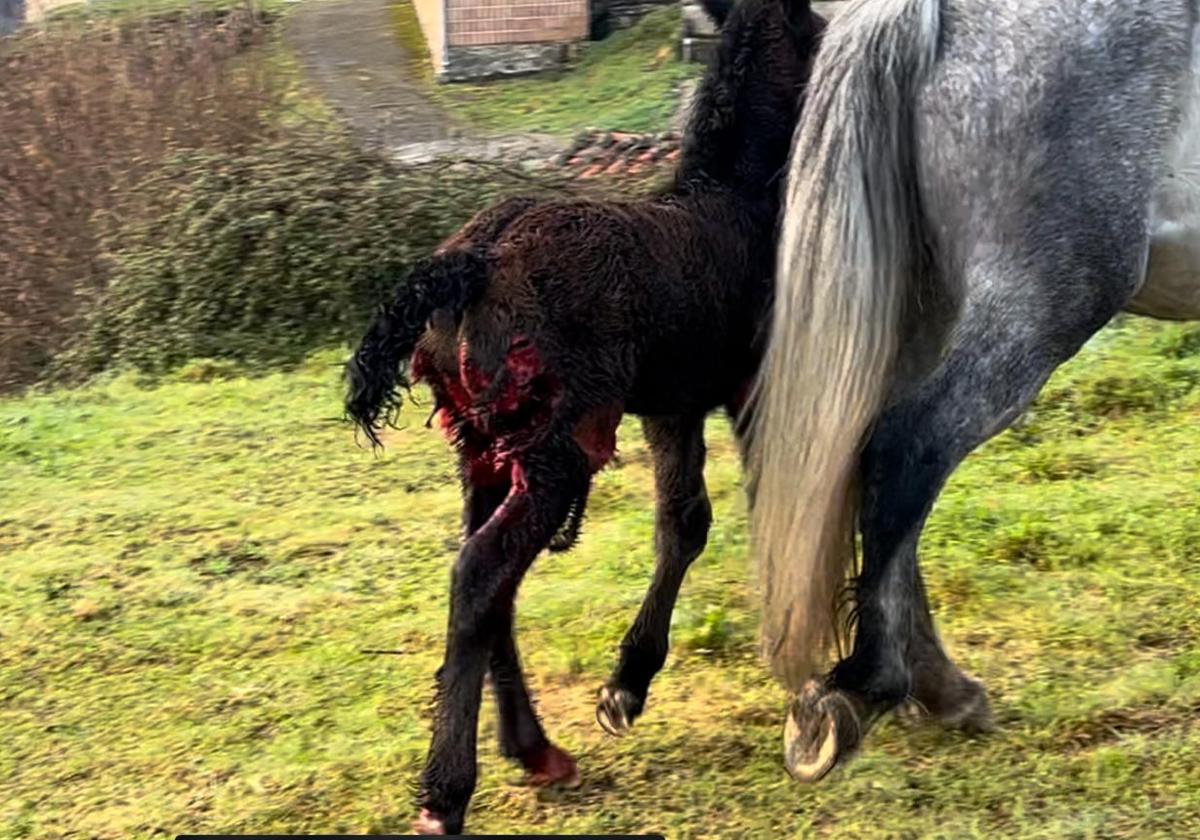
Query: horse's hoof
824,726
427,823
616,710
967,709
552,768
973,713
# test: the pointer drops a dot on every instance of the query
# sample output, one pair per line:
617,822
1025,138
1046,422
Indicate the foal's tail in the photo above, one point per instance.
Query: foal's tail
851,242
377,371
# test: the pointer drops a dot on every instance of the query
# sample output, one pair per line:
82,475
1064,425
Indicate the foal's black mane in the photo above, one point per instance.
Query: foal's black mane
743,115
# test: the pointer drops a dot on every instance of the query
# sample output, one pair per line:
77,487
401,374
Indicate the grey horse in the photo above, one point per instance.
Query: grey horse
977,188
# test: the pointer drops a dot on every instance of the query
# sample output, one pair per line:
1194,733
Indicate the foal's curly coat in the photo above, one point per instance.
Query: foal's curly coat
540,323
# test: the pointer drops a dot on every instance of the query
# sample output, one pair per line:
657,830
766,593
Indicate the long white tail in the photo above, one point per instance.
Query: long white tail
850,247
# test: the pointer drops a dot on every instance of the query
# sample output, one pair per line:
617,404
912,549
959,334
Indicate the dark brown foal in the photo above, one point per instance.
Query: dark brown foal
536,327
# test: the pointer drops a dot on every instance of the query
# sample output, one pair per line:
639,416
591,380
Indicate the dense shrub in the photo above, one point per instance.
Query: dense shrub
263,255
165,195
89,108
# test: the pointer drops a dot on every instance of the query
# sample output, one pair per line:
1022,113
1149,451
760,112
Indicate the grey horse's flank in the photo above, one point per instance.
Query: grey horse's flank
977,187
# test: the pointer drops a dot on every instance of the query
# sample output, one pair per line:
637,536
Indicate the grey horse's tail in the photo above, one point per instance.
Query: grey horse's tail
851,244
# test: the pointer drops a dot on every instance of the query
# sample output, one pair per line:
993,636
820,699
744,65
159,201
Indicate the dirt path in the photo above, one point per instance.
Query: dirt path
350,54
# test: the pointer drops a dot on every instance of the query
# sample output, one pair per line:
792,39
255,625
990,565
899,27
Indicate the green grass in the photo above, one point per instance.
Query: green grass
192,572
627,82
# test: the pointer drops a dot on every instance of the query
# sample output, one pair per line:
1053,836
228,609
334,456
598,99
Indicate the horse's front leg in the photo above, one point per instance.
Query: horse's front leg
681,531
484,583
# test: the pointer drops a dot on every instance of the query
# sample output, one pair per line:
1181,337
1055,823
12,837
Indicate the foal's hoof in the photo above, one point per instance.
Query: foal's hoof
616,710
552,768
427,823
824,727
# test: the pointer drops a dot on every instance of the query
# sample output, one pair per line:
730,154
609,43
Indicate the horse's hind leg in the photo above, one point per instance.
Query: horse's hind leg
941,692
1015,330
681,531
521,735
484,583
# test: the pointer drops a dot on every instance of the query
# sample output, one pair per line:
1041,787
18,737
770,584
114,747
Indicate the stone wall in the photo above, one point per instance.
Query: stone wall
699,33
495,60
625,13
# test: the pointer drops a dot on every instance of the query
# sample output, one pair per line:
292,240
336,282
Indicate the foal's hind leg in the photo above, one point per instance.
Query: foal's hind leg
521,735
484,583
1014,332
681,531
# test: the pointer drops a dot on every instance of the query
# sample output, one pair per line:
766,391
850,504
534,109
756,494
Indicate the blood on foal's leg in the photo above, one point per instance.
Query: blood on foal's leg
521,735
485,580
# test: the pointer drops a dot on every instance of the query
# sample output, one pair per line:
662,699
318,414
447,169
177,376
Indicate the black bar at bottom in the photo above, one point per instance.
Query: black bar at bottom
398,836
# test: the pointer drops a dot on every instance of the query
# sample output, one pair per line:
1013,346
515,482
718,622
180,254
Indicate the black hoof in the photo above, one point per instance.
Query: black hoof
617,709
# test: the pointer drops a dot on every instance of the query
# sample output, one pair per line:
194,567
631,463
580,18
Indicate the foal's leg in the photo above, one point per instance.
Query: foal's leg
1015,330
484,583
521,735
681,531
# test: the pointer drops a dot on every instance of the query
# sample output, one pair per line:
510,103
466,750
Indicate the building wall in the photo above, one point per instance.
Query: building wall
476,23
430,16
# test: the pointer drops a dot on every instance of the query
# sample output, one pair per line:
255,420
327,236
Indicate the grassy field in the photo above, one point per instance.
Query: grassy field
627,82
194,568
